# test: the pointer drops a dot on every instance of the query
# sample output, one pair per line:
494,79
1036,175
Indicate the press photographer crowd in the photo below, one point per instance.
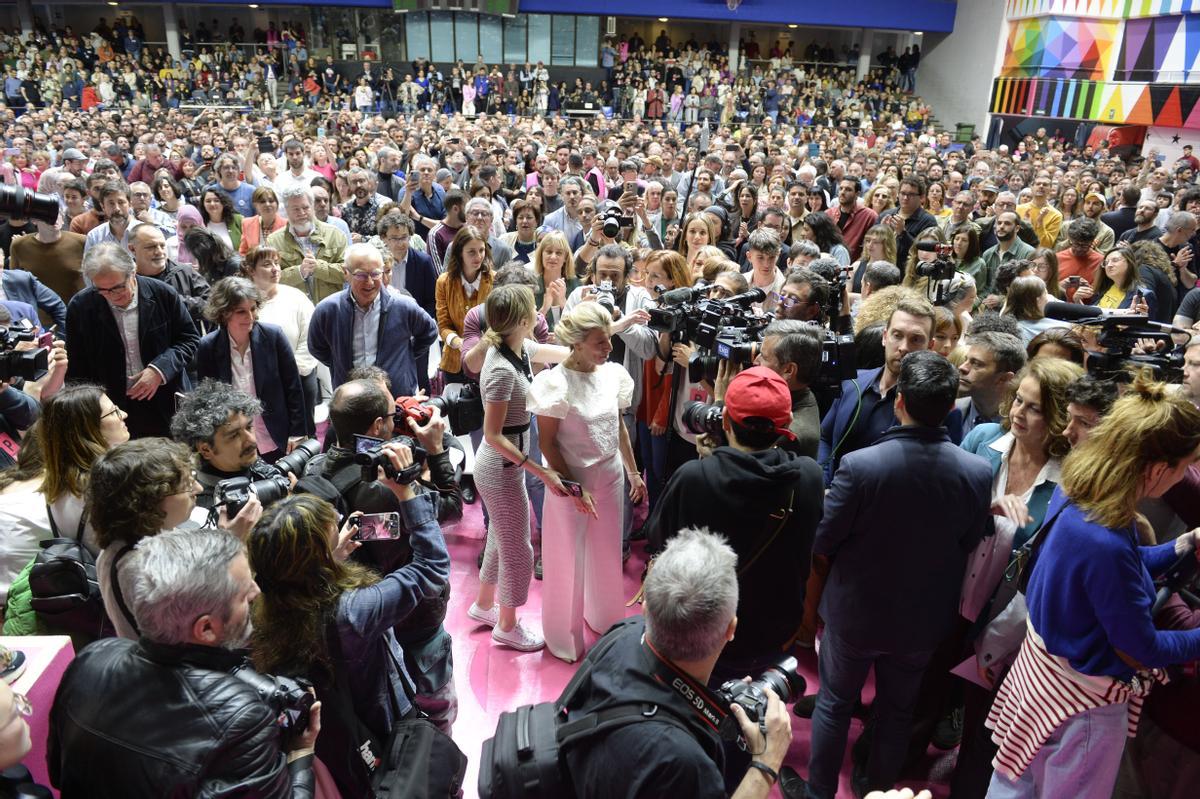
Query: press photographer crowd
844,396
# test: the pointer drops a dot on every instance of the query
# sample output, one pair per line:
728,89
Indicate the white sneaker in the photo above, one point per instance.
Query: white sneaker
489,617
519,638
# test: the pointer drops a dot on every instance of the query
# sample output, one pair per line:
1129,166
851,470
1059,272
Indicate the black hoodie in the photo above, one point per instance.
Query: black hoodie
741,495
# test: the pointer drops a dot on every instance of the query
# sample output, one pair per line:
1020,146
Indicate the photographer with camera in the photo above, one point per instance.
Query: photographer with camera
330,620
216,421
765,499
664,660
175,712
365,408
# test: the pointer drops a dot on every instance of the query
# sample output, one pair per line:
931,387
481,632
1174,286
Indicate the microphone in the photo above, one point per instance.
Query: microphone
934,247
747,298
1071,311
685,294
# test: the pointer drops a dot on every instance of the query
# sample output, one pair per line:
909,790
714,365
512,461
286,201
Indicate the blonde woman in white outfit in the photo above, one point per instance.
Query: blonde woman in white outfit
578,407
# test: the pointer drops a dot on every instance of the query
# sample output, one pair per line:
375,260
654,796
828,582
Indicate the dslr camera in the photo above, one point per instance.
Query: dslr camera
461,406
782,678
372,459
234,492
288,697
606,295
612,222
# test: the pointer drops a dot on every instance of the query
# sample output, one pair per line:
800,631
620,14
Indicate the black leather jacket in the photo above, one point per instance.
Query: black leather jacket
137,719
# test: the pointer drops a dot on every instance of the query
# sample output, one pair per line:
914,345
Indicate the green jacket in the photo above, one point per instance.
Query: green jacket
328,278
19,615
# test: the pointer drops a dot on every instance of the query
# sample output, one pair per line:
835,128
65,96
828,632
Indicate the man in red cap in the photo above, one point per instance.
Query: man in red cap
766,500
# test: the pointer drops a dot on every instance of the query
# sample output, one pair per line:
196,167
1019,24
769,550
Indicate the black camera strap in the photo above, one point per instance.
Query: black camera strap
694,694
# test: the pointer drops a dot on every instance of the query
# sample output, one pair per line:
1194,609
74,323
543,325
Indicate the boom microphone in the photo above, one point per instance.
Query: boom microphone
747,298
685,294
1072,311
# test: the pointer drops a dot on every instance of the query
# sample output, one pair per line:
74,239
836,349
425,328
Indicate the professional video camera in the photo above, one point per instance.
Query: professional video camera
234,492
18,203
782,678
939,270
1119,333
372,458
30,364
288,697
613,221
461,406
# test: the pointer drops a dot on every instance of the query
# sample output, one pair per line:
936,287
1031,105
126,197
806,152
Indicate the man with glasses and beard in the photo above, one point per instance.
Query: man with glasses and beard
909,219
166,714
133,336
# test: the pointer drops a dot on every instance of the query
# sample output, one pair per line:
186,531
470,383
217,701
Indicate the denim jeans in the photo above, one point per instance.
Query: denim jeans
654,457
842,668
1081,758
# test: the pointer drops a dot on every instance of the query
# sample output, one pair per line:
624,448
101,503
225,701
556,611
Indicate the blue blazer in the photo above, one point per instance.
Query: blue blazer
276,378
22,286
979,442
844,410
167,340
22,310
405,335
900,520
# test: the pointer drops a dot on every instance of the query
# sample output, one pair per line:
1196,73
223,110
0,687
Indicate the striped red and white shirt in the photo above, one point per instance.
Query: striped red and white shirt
1042,691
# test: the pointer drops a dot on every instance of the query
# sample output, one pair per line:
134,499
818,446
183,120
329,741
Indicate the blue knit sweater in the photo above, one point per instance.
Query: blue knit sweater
1090,595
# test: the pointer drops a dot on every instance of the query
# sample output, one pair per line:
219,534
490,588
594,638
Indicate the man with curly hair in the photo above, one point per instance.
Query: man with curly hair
217,422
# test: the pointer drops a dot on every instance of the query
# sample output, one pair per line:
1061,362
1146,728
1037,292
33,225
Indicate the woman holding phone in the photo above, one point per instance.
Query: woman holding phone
578,408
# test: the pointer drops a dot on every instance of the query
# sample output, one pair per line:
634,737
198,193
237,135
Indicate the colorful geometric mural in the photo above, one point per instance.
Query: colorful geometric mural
1098,101
1099,9
1160,49
1058,47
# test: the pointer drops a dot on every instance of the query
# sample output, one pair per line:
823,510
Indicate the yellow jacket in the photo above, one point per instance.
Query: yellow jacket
328,278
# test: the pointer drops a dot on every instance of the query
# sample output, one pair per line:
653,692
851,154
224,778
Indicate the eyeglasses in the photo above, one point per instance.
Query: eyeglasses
114,290
787,300
909,194
116,409
363,277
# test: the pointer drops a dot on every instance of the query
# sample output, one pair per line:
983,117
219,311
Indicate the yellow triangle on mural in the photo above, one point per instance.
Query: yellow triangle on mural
1113,109
1142,112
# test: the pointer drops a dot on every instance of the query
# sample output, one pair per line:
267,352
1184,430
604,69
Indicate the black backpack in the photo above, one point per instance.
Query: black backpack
63,586
526,757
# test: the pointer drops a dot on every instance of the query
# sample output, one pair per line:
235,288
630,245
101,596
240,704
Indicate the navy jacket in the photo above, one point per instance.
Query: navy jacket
22,286
167,339
276,378
845,410
900,520
405,334
420,279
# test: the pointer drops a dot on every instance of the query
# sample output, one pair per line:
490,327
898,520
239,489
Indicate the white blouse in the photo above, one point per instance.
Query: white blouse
291,311
589,405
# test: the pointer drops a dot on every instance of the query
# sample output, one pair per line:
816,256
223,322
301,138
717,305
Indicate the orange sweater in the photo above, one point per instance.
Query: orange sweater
452,307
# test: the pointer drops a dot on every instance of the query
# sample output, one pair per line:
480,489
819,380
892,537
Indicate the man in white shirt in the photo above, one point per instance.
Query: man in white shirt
294,170
115,200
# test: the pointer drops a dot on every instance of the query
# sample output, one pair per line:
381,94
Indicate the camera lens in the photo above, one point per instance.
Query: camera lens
16,202
784,680
611,227
271,490
295,461
699,417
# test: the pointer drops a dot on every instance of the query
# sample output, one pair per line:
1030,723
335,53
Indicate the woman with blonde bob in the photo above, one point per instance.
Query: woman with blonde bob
555,269
1091,650
578,408
504,383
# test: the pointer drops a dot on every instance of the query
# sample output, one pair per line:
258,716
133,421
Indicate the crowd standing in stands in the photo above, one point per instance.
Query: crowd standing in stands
287,236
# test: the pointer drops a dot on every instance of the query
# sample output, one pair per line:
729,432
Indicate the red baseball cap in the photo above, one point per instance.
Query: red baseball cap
760,392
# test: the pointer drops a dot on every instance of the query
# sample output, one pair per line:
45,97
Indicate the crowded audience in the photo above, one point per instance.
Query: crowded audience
273,322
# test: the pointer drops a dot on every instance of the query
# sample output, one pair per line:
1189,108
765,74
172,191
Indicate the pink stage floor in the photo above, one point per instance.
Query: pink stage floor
491,679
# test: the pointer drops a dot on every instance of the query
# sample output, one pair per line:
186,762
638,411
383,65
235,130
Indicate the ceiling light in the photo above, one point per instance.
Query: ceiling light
793,26
663,19
254,5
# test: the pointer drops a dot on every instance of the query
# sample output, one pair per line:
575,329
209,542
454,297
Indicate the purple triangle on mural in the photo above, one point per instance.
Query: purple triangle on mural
1165,29
1135,38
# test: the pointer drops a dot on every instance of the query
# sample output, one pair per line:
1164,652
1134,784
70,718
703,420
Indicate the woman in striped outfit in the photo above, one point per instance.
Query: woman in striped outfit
1091,651
504,455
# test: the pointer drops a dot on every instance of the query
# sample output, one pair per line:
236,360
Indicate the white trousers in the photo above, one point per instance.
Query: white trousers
581,561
